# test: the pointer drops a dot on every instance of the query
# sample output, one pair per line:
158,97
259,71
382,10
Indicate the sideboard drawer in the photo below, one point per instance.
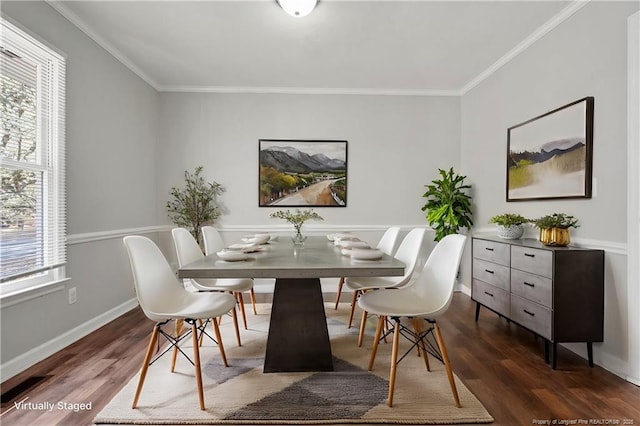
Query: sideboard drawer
532,260
491,273
535,317
491,251
492,297
533,287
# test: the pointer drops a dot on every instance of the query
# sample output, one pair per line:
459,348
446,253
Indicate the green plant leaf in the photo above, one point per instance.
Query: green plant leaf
448,207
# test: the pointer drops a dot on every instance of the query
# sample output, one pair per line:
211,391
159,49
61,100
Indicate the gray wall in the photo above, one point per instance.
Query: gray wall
395,146
585,56
112,125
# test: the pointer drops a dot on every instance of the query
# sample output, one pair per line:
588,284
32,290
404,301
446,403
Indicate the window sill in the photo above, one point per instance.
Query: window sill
24,295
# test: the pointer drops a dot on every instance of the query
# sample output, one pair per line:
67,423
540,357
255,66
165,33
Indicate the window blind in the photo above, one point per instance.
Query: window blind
32,154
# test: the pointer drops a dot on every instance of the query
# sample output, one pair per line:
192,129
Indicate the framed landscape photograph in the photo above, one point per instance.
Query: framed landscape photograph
302,173
551,156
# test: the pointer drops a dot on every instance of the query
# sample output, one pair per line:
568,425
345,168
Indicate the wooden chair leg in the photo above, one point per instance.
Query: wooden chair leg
363,323
201,339
340,284
145,365
241,303
234,315
253,301
376,339
216,330
394,361
353,306
196,362
177,330
447,364
421,351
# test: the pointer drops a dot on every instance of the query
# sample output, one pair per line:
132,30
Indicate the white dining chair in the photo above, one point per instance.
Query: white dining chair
187,251
426,299
387,244
213,243
163,299
408,253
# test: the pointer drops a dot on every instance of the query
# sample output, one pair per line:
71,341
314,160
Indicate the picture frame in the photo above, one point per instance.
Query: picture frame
302,173
551,156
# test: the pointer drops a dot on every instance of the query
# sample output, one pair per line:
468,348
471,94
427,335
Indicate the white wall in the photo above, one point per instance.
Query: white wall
585,56
395,146
112,125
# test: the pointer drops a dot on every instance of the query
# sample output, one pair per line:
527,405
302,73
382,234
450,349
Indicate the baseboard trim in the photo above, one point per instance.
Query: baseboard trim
19,364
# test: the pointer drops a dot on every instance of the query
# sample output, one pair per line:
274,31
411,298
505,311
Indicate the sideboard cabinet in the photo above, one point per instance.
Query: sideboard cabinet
555,292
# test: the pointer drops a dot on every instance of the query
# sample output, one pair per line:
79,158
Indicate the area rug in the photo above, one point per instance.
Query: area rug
243,394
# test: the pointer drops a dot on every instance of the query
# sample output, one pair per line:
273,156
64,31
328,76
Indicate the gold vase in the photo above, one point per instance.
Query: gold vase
558,237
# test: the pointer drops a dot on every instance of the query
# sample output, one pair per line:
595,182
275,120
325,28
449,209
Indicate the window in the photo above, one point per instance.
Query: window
32,195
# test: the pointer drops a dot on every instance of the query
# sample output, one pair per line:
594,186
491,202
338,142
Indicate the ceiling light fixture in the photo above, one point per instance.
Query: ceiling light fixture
297,8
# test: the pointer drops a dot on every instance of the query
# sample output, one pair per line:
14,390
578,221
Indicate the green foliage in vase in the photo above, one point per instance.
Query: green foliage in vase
196,204
556,220
508,219
448,206
297,217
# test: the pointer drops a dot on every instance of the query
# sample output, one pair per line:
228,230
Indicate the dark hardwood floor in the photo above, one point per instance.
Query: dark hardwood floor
499,362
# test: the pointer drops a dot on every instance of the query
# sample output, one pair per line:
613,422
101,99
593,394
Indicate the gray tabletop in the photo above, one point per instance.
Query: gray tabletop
319,258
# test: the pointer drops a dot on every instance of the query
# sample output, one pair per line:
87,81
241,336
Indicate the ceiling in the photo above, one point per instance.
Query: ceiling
393,47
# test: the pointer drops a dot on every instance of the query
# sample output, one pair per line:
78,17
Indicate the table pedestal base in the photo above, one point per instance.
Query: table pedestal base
298,337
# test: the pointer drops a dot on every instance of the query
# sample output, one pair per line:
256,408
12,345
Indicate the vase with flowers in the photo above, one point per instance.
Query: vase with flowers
297,218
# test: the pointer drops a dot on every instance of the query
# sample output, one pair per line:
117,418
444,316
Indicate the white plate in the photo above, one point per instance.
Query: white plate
340,241
240,246
232,256
354,244
252,249
365,254
337,235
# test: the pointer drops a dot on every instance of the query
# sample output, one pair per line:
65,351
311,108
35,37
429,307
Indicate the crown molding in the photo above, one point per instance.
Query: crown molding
309,91
547,27
543,30
85,28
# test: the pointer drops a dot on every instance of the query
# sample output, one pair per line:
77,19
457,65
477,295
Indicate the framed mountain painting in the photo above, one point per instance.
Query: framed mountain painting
302,173
551,156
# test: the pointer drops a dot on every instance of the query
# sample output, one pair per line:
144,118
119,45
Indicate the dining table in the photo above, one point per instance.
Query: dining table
298,337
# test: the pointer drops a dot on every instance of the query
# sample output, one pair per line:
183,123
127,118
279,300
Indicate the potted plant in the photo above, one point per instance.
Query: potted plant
297,218
554,228
196,204
510,225
448,206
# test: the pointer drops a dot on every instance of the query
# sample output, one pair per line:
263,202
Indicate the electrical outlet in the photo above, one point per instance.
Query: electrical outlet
73,295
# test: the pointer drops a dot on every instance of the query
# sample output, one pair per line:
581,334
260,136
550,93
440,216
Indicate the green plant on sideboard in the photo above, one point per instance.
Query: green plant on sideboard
554,228
508,219
510,226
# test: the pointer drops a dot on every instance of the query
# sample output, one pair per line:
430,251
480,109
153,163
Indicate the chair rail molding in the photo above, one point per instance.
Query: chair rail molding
90,237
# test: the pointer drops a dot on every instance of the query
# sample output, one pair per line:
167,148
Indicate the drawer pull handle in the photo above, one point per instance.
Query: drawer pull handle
488,294
528,284
489,271
530,255
488,249
529,313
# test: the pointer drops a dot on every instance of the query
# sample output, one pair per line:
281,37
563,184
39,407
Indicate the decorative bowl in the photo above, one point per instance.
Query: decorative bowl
365,254
512,232
232,256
